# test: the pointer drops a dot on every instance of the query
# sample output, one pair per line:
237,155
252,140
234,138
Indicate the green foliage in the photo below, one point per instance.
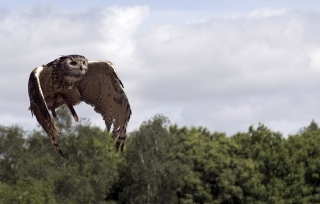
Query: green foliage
32,171
91,166
64,120
313,126
305,151
161,163
153,169
11,150
29,191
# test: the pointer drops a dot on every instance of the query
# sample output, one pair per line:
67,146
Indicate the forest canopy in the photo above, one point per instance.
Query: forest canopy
161,163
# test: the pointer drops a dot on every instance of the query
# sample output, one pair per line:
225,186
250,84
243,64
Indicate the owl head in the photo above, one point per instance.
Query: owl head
74,65
69,67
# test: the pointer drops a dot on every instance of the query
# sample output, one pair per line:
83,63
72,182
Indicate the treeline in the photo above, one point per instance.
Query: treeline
161,163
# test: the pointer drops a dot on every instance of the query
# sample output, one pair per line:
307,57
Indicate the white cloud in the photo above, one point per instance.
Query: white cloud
228,73
315,59
266,13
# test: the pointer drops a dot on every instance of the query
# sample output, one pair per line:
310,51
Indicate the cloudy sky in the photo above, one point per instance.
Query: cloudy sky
224,66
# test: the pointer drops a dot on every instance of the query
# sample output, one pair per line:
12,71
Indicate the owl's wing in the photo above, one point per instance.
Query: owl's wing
39,108
102,89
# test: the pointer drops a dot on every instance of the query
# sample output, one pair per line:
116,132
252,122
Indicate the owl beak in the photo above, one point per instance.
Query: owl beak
81,68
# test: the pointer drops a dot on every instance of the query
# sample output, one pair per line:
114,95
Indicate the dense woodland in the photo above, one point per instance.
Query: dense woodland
161,163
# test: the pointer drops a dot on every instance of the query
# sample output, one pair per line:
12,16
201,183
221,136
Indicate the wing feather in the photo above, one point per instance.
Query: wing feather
106,100
102,89
39,108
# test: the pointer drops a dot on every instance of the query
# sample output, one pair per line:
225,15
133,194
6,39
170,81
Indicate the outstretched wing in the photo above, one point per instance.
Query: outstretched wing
102,88
39,108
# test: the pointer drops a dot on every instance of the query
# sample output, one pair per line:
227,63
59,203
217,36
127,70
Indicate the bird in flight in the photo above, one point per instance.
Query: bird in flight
71,79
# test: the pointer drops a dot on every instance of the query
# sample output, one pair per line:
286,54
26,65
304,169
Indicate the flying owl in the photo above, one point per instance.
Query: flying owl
71,79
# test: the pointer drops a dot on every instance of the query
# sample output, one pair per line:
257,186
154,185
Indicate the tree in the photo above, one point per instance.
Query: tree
31,191
11,149
217,171
32,171
304,149
313,126
91,168
153,170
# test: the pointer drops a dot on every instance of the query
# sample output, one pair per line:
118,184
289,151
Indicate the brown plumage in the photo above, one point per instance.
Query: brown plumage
72,79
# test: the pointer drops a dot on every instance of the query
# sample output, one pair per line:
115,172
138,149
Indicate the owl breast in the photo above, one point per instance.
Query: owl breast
72,81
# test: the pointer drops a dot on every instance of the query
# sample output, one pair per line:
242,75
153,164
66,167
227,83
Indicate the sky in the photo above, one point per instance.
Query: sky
223,65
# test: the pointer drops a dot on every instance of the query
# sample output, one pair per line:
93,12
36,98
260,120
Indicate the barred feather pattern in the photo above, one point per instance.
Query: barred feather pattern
102,89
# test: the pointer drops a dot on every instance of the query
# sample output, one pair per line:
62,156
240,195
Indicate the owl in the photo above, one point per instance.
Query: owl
71,79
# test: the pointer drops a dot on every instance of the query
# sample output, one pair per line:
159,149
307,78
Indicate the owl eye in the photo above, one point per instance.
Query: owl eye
84,62
72,63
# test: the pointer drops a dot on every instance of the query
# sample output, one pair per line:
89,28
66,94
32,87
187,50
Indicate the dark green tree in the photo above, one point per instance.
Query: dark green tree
304,149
